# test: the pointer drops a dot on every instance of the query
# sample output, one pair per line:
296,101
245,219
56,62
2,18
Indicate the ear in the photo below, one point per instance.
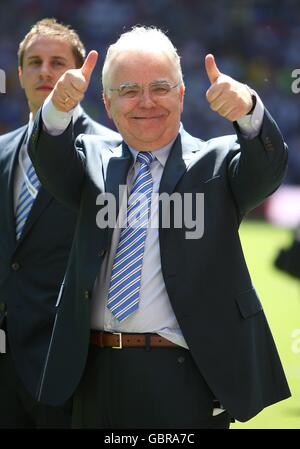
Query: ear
107,104
20,74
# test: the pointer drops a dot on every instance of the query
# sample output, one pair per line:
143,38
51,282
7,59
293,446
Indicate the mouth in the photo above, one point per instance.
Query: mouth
45,88
153,117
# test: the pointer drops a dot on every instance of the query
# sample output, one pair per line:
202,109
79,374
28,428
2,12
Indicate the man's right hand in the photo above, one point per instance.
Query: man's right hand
71,86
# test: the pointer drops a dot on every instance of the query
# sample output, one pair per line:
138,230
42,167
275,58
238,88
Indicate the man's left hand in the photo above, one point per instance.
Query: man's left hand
228,97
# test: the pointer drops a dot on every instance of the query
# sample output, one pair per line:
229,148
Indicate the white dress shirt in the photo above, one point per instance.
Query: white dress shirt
155,313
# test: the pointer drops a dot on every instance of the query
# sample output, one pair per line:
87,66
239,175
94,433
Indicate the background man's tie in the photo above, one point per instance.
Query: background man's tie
125,283
25,201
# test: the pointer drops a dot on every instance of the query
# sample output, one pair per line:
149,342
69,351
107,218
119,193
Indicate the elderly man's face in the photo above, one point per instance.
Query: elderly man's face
147,99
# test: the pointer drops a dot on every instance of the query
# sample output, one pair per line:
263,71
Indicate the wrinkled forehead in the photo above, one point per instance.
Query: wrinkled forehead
141,66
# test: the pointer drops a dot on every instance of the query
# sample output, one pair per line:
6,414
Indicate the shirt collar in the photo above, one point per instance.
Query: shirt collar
30,125
161,154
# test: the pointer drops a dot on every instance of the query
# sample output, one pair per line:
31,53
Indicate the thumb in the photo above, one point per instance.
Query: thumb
212,70
89,65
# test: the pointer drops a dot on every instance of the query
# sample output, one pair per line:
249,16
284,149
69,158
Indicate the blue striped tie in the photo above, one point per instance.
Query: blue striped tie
125,283
25,201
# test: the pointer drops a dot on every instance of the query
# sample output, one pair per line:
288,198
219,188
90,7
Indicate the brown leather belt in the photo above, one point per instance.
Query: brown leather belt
117,340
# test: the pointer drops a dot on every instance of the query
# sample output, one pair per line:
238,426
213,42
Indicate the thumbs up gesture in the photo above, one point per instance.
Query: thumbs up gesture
228,97
71,86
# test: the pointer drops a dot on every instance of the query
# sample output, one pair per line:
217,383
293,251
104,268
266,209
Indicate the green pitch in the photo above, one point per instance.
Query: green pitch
280,296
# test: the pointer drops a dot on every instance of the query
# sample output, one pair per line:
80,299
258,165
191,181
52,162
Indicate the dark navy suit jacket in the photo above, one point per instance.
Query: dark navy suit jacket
207,279
32,269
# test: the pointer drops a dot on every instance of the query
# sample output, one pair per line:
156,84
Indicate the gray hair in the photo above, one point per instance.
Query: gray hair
144,39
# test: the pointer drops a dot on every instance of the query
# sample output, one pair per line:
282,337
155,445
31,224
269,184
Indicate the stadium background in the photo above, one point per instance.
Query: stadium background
255,41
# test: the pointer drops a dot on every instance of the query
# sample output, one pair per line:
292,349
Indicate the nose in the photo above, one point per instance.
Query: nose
45,70
146,99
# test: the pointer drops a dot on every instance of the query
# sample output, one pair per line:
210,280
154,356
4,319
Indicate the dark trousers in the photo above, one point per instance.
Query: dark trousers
135,388
18,410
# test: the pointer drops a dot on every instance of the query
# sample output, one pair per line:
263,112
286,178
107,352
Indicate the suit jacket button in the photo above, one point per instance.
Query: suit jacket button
15,266
102,252
87,294
268,143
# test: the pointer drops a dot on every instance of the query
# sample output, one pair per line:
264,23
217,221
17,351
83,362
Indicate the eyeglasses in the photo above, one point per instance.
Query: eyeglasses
157,89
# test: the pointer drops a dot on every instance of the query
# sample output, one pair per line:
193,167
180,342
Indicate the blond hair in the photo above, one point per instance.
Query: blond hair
52,28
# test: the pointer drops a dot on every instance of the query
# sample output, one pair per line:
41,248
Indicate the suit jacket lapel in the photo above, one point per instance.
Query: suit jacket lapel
116,169
41,202
16,145
181,155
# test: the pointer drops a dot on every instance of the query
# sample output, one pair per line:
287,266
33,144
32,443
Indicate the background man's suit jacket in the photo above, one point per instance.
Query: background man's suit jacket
207,280
32,269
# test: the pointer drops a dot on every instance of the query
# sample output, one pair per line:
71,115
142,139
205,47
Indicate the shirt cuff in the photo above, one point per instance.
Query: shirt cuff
55,121
250,125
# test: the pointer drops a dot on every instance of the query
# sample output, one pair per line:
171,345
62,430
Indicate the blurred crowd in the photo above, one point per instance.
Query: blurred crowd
255,41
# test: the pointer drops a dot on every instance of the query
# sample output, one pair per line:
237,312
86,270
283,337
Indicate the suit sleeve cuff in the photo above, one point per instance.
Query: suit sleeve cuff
250,125
55,122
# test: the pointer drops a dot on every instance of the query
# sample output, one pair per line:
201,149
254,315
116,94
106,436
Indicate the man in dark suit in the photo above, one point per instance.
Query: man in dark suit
158,324
36,232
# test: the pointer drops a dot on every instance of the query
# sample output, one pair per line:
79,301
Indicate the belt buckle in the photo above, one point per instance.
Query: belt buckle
120,346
